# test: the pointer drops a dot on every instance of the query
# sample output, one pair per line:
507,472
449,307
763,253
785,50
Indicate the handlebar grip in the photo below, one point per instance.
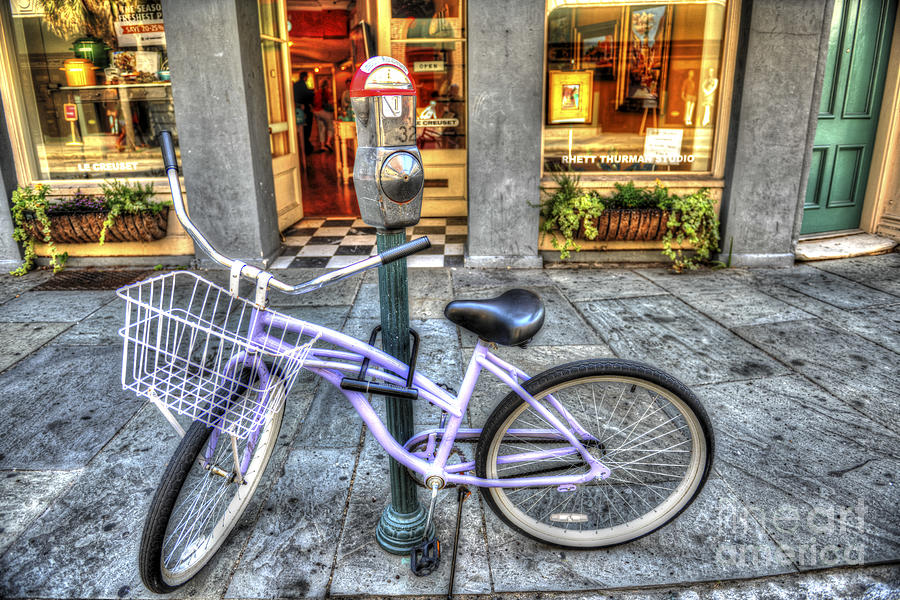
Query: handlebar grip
168,150
404,250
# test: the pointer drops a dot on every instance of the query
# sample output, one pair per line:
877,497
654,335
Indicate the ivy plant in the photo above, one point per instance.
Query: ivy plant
121,197
31,205
567,209
28,201
692,219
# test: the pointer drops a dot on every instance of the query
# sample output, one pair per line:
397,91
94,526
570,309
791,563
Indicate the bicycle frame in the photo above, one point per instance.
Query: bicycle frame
332,365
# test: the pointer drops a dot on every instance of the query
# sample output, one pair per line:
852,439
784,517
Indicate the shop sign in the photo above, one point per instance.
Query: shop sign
454,122
107,166
140,25
663,146
428,66
71,112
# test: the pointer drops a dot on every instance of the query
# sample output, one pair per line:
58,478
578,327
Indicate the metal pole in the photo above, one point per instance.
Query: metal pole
402,524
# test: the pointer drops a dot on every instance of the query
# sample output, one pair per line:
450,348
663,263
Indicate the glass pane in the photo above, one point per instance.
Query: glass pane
633,88
96,91
413,19
438,70
275,100
268,18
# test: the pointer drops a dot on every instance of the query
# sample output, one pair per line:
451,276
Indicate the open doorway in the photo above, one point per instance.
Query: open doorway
321,68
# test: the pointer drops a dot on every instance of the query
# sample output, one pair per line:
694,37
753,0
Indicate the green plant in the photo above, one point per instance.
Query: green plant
27,201
123,197
566,208
692,219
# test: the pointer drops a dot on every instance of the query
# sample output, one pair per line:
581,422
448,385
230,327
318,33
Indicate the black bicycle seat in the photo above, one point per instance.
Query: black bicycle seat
510,319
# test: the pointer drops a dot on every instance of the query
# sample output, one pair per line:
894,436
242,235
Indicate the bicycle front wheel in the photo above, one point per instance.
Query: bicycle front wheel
199,502
643,424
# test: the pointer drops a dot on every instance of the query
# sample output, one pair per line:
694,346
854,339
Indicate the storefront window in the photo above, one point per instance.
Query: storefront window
95,87
632,86
428,36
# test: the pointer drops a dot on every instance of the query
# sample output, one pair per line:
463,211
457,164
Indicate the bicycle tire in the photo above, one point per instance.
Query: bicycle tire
591,516
156,575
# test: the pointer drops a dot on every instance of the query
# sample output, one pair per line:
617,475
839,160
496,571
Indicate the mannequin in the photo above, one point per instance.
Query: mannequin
689,97
710,84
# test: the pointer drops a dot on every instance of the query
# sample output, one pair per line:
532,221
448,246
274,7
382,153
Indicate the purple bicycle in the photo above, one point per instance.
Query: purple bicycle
584,455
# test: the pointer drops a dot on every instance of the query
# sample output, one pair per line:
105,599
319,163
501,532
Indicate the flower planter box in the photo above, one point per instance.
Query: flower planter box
85,227
629,224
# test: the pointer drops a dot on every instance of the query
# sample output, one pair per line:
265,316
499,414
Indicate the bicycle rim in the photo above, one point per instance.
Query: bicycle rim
651,440
209,505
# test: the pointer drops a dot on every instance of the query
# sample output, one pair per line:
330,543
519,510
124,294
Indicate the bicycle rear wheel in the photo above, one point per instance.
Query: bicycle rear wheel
644,425
197,506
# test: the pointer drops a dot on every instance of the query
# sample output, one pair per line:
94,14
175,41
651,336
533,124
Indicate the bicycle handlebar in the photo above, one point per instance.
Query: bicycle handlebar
251,272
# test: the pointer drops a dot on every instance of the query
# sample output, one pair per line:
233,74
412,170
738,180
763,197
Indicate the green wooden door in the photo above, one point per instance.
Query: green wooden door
858,49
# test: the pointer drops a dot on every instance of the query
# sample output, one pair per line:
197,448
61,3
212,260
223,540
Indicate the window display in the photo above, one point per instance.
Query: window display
633,87
428,36
95,87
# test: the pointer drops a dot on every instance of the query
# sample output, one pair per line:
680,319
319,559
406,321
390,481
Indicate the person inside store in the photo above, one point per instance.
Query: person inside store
303,99
323,111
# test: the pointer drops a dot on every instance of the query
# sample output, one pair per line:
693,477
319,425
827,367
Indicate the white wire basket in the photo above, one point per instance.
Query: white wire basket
187,347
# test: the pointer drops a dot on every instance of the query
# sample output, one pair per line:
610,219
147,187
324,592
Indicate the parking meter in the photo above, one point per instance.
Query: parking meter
388,174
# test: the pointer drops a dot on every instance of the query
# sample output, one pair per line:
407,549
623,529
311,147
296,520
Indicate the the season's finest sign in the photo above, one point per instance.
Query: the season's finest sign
70,112
140,24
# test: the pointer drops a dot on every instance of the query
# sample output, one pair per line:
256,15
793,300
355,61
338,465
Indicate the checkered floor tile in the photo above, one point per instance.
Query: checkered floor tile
337,242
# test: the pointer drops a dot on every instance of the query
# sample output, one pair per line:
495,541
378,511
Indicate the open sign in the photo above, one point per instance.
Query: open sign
71,112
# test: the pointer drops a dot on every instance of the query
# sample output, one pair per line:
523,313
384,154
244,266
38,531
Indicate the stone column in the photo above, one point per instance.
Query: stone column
10,254
219,91
778,84
506,62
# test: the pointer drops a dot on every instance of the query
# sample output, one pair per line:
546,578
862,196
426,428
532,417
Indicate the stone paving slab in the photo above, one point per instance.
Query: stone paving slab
61,406
859,372
533,360
687,550
663,331
86,544
364,568
330,422
730,298
53,306
579,285
24,495
10,286
18,340
291,550
875,323
824,286
879,272
855,583
562,323
818,476
487,283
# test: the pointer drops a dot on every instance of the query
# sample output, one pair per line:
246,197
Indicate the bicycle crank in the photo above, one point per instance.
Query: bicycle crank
426,557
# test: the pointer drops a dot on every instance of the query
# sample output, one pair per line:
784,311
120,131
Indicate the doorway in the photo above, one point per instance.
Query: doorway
282,127
321,68
858,52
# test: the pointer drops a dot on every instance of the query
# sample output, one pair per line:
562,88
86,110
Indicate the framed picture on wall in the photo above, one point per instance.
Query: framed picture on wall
362,46
570,98
599,48
645,60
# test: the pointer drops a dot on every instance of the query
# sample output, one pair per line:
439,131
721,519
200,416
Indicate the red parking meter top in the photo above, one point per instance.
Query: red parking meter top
382,76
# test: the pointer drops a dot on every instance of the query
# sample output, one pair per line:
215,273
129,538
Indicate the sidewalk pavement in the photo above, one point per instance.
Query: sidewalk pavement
797,367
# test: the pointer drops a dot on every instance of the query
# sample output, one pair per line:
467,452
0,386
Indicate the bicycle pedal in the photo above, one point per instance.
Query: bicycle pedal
425,558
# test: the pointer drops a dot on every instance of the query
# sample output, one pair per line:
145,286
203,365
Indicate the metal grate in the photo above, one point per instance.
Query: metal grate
86,280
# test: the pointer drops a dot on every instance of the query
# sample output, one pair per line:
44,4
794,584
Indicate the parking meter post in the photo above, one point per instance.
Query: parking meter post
389,180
